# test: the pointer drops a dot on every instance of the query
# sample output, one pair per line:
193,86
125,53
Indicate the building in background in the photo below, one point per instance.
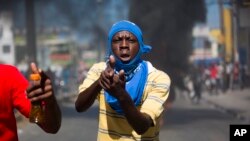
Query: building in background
228,24
205,46
208,40
236,31
242,21
7,48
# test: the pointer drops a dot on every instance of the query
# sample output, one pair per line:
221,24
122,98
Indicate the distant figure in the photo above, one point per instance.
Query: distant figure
243,76
228,77
236,75
196,77
130,91
220,77
65,75
189,85
213,77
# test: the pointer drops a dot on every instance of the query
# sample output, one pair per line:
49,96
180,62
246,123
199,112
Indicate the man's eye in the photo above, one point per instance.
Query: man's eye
115,40
132,40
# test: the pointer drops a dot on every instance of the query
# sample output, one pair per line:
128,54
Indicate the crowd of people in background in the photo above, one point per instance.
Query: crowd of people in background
215,78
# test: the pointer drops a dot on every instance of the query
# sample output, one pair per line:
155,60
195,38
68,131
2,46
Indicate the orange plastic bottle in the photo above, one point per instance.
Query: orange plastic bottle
36,113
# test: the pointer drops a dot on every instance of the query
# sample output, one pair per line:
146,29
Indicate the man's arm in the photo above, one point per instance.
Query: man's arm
115,85
52,116
42,91
87,97
140,122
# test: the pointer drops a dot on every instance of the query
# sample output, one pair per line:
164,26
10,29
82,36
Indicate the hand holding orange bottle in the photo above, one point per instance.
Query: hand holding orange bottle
36,113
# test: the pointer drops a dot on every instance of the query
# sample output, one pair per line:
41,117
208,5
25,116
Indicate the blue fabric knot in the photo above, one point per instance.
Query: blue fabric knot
135,88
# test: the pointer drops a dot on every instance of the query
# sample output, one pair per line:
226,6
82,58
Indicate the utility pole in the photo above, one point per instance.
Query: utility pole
220,3
235,29
30,30
227,29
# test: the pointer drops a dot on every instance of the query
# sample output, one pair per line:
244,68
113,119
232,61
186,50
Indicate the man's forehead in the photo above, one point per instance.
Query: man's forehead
124,33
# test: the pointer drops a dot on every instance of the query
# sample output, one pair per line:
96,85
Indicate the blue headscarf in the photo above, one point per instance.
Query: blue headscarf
136,70
135,30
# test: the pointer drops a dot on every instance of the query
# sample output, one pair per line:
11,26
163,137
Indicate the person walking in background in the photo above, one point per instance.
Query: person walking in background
228,77
130,91
220,76
236,75
213,77
66,81
206,78
17,93
243,76
196,77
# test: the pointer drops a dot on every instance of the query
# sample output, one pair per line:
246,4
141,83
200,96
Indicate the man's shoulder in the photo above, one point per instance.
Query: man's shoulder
8,72
159,75
98,67
99,64
7,68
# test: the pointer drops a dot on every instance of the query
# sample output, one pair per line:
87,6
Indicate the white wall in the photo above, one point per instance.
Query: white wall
7,48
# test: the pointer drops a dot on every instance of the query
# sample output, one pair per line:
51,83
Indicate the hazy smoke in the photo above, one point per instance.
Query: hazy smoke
167,27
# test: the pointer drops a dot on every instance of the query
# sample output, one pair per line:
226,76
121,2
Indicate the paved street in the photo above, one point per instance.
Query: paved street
75,127
235,102
201,122
183,122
